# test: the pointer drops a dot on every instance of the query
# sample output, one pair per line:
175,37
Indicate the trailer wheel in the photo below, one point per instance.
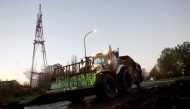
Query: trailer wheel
126,82
75,96
105,87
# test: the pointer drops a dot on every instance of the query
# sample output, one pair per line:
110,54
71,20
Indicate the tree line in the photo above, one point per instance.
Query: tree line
172,62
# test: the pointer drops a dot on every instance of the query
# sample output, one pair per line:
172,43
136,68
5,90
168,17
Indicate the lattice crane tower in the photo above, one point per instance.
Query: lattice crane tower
39,42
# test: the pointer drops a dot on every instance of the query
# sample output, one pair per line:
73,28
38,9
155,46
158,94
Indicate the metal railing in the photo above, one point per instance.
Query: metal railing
72,69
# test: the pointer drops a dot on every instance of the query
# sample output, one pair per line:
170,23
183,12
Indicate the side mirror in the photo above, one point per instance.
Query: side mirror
116,54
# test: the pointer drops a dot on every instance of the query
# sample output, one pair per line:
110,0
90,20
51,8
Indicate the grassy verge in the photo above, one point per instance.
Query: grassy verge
15,92
176,78
22,99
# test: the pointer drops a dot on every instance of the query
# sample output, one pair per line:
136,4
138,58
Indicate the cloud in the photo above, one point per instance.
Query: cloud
27,73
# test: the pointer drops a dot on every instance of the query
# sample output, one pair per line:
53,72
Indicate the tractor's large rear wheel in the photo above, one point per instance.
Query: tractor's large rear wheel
75,96
138,85
105,87
126,82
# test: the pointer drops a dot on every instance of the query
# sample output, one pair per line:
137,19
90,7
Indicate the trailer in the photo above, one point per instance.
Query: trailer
104,73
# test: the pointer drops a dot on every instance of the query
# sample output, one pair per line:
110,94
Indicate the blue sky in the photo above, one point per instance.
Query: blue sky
139,28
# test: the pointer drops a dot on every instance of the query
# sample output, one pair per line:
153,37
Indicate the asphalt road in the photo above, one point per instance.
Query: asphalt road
91,102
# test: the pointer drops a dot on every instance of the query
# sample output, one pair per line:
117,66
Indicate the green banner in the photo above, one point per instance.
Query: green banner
71,82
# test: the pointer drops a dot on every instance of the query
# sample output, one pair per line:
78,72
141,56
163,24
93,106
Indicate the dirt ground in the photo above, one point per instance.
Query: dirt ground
175,96
165,96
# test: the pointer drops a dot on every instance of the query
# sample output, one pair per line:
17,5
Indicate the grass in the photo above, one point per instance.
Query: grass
176,78
14,92
22,99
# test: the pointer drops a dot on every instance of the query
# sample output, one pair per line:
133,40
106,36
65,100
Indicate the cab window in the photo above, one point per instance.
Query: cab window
114,61
99,60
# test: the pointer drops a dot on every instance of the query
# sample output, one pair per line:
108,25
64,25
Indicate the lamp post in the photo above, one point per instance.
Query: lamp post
84,41
17,76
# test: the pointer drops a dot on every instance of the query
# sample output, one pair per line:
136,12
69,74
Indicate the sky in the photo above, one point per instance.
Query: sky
139,28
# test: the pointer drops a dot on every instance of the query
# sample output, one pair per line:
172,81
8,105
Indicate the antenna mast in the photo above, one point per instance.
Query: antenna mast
39,42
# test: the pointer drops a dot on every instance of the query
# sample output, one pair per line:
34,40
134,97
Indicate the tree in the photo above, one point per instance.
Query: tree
44,80
144,74
74,59
155,72
173,60
75,67
167,60
184,56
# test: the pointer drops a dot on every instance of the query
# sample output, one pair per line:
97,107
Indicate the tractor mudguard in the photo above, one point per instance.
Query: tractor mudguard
138,74
118,69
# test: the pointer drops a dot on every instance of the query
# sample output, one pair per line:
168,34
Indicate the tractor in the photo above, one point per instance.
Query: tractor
105,73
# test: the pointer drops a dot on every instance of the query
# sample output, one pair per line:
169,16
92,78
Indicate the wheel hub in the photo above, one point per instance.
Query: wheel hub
107,88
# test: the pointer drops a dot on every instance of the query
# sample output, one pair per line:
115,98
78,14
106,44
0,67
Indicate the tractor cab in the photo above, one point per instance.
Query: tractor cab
105,61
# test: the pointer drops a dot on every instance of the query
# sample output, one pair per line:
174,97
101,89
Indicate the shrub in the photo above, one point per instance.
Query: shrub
12,90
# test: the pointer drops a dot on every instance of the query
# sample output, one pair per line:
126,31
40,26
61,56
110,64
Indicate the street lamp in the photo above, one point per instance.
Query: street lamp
84,41
18,76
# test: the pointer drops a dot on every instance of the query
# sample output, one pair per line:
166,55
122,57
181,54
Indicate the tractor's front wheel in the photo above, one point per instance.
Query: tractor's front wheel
105,87
126,82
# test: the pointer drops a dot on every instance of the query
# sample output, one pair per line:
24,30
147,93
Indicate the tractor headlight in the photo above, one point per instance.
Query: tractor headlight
92,68
105,52
109,62
94,55
95,68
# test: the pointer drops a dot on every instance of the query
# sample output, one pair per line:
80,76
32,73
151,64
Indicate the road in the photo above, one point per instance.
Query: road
91,102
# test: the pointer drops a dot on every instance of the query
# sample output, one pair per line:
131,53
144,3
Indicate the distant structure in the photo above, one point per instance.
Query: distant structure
50,68
39,42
